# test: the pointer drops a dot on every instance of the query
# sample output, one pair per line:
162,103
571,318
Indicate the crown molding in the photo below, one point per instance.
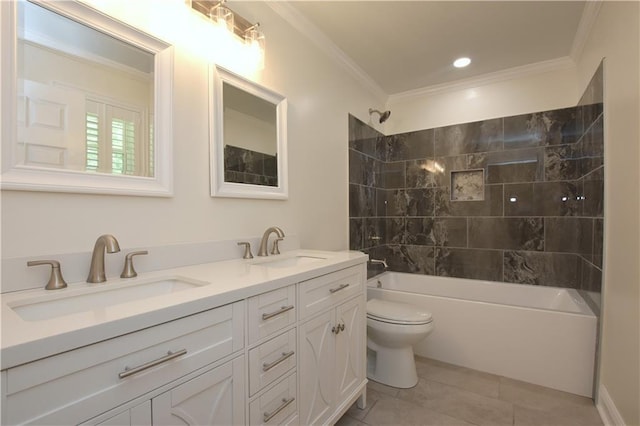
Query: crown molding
315,35
587,21
565,62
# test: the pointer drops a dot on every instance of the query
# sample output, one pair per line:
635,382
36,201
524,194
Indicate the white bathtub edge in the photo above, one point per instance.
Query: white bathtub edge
607,409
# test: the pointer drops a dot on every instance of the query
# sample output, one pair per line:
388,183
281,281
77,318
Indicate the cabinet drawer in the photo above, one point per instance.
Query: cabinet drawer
271,312
271,360
275,406
323,292
98,377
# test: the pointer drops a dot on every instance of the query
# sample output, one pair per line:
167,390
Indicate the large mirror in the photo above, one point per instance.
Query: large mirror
248,138
86,102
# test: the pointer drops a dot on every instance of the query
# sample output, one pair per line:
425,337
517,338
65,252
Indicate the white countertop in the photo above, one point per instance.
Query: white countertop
227,281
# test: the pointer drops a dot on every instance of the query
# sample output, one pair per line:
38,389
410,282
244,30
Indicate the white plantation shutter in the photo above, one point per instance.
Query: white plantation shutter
114,140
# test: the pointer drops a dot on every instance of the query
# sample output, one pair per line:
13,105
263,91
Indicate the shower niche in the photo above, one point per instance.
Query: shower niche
467,185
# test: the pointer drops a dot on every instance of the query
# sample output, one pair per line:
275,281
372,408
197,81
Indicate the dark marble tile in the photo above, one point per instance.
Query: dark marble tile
363,138
591,277
543,199
593,140
521,165
538,268
562,162
362,201
518,199
450,231
490,206
445,166
541,129
569,235
479,136
410,259
395,230
598,235
271,165
392,175
421,173
391,202
420,202
467,185
592,99
556,198
593,191
375,231
469,263
356,234
420,231
356,167
411,145
594,93
506,233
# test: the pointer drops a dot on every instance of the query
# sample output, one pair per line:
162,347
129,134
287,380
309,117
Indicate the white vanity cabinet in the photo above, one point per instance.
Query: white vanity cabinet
332,344
74,386
273,357
291,354
213,398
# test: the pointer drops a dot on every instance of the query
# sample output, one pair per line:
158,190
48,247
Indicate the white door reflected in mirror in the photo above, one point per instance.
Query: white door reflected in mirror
92,98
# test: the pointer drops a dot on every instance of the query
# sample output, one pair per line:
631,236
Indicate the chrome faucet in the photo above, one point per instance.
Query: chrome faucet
104,243
382,262
265,240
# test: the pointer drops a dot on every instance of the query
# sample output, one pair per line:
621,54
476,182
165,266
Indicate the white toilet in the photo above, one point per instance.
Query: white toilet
392,330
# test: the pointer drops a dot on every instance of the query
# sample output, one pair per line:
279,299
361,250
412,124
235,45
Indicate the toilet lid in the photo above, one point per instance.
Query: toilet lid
396,312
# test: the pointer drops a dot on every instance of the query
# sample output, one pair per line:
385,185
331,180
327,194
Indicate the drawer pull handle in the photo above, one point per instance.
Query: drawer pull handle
340,287
169,356
268,416
284,357
282,310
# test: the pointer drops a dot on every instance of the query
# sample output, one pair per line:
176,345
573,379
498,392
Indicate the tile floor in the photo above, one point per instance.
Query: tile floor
450,395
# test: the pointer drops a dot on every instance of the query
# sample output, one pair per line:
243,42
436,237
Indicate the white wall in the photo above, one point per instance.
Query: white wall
615,37
520,92
320,96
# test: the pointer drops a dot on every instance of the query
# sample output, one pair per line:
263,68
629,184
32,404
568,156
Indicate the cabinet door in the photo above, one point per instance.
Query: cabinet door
140,415
350,344
317,345
213,398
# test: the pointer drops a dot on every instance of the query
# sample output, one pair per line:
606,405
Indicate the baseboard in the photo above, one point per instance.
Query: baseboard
607,409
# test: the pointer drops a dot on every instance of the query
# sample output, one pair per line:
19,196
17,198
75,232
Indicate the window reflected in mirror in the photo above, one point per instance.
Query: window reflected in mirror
85,99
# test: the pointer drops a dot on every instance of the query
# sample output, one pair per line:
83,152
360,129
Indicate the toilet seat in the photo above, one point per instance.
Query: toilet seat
397,313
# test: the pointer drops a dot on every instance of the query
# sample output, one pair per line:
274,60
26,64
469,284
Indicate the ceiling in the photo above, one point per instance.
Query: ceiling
409,45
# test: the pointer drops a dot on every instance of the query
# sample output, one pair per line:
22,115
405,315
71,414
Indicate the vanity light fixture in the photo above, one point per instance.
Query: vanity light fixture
220,14
254,39
461,62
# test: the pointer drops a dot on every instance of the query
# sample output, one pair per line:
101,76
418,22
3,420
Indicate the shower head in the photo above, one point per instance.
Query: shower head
384,115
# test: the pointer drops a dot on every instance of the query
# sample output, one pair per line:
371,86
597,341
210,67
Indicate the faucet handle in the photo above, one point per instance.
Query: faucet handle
247,249
56,281
276,249
129,271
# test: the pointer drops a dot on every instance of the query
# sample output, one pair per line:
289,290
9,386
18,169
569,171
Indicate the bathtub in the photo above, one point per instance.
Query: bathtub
540,335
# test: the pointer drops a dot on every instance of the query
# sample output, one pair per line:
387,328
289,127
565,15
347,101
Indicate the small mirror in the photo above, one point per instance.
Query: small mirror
248,138
87,114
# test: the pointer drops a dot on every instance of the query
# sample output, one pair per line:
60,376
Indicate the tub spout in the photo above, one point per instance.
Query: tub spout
382,262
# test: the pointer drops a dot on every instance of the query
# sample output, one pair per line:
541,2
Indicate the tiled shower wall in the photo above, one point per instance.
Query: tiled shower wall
243,165
528,193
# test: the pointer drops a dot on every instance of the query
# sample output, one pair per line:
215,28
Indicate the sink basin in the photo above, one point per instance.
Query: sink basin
72,301
290,262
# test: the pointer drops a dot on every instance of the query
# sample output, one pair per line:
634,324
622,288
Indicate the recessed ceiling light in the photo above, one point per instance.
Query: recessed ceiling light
461,62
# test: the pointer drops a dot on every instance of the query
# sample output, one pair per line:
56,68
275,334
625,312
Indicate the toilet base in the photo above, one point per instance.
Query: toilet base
394,367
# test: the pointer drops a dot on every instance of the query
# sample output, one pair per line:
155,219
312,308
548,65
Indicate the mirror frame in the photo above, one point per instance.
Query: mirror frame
29,178
219,188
